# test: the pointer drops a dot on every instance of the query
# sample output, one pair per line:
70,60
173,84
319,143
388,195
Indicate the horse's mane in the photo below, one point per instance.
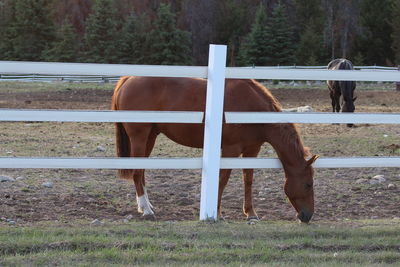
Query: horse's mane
289,132
263,91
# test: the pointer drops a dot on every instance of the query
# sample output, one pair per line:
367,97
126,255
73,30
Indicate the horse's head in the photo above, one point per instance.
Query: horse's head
348,98
299,188
347,90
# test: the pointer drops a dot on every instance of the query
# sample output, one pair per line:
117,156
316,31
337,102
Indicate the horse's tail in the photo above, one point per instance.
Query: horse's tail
122,141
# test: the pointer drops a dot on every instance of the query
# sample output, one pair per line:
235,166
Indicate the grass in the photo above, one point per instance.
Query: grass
272,243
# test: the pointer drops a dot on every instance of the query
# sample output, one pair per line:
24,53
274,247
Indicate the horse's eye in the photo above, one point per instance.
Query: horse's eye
308,185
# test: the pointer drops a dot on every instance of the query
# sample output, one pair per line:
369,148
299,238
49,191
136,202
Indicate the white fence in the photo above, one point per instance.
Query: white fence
113,79
211,161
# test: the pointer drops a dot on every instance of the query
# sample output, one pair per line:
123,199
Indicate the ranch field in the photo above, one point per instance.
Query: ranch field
47,217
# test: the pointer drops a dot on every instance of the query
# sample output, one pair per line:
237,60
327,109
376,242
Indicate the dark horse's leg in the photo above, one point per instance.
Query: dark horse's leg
248,184
335,97
337,100
333,101
141,145
224,174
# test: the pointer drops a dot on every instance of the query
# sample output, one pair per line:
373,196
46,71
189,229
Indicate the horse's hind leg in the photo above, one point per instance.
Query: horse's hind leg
149,147
139,136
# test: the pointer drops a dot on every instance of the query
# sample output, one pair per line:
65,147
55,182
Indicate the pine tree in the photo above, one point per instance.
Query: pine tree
309,48
395,23
7,13
254,50
375,41
31,31
310,25
168,45
232,25
281,43
66,46
134,40
101,39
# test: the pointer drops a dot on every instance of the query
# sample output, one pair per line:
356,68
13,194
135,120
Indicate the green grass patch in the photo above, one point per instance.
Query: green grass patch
272,243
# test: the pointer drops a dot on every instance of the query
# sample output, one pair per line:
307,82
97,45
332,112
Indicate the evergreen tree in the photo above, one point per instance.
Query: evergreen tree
168,45
281,44
101,39
133,40
66,46
232,25
310,25
395,23
375,41
7,13
309,48
31,31
255,48
309,12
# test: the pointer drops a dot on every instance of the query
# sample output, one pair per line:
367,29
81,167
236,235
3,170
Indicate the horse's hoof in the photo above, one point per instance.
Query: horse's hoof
149,217
252,220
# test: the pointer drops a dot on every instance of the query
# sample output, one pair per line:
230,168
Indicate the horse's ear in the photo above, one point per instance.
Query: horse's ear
312,160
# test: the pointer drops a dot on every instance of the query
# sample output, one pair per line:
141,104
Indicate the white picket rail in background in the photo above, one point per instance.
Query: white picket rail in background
209,191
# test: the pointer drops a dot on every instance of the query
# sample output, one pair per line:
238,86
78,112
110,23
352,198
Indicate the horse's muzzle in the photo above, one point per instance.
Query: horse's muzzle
304,216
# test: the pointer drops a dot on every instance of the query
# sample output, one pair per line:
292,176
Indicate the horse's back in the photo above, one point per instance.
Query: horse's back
159,93
188,94
340,64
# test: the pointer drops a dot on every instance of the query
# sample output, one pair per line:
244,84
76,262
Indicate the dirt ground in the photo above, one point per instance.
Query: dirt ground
85,195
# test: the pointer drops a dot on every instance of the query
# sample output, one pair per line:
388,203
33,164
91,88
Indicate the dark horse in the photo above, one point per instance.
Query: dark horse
342,92
186,94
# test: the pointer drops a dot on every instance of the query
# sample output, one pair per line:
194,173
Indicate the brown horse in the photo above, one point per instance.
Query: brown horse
187,94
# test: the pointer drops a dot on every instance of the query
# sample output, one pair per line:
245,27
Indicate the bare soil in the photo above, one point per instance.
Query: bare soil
89,194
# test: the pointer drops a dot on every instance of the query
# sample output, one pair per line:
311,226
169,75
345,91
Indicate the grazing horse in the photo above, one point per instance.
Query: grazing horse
341,92
187,94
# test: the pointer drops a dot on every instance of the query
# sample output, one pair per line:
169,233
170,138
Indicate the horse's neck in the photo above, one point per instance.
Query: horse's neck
287,144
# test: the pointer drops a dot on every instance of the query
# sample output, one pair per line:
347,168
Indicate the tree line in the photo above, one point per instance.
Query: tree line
178,32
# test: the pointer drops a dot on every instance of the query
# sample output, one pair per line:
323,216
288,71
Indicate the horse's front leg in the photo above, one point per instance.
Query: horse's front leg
248,208
248,174
224,174
223,180
333,102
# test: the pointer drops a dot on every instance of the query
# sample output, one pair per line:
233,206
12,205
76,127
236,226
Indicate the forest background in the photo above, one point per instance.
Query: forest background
257,32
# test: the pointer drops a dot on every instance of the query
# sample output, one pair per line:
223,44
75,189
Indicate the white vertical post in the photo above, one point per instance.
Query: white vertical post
212,132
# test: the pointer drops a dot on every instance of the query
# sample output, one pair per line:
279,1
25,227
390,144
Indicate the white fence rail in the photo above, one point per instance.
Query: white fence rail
215,75
101,116
187,163
274,73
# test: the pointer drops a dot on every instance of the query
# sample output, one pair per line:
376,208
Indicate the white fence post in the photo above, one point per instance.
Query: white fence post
212,132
